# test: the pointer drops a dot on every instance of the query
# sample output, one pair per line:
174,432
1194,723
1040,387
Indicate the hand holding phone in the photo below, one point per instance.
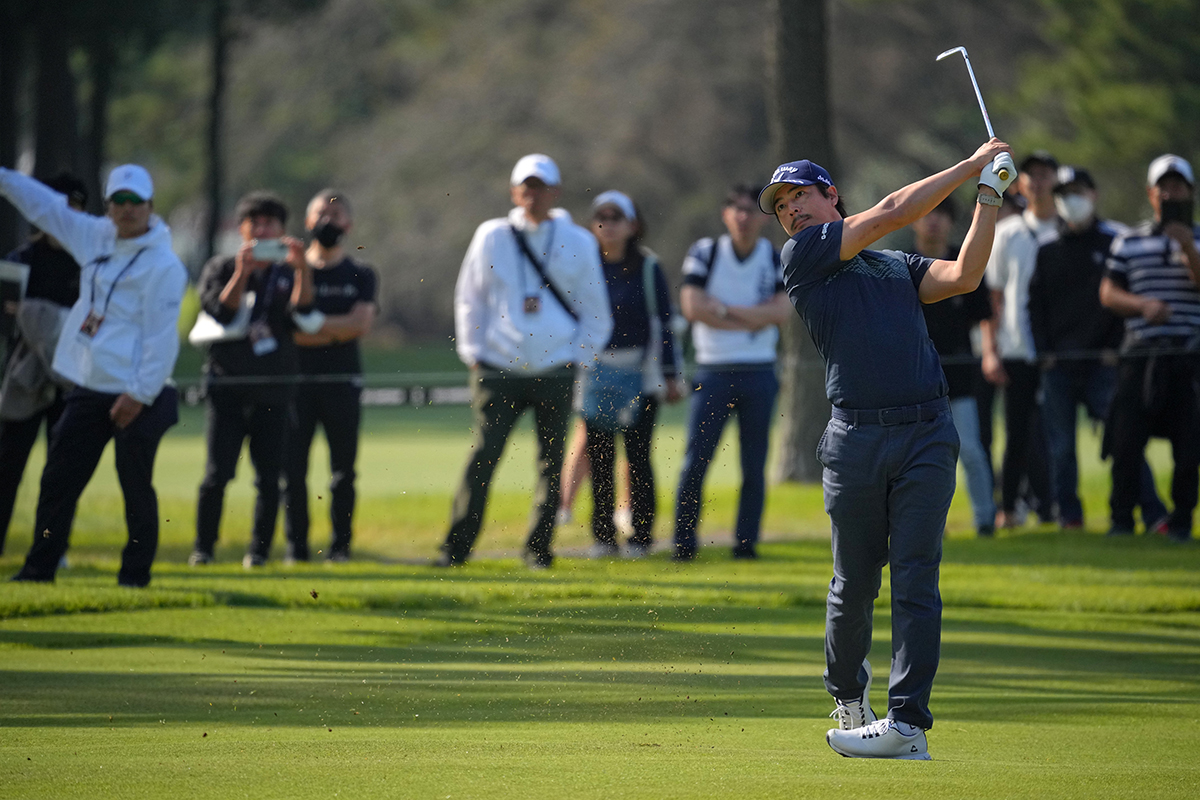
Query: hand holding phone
271,251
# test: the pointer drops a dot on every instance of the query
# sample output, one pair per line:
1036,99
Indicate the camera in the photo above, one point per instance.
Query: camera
271,250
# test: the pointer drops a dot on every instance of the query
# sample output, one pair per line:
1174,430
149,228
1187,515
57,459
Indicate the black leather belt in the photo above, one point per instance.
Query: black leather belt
900,415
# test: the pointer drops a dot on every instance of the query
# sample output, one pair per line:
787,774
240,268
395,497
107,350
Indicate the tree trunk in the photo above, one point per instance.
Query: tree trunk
10,66
56,117
100,58
802,128
220,39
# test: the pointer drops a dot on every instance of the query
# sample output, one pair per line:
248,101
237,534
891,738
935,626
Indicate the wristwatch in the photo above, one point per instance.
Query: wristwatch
988,200
722,311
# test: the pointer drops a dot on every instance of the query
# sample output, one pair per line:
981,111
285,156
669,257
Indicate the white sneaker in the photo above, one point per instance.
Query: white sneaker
881,739
853,714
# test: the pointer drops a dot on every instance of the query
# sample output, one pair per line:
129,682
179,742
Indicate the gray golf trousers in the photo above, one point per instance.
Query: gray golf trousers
888,486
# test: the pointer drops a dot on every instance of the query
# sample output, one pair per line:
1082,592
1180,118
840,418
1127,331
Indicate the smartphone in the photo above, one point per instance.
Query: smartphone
272,250
1177,211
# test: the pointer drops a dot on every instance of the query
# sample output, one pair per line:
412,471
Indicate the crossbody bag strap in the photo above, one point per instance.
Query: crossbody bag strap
541,271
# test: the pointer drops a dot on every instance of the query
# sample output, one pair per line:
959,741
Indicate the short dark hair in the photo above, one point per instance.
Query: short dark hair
66,183
742,190
261,204
840,207
329,195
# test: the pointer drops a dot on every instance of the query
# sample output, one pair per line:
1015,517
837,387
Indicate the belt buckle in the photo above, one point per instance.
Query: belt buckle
890,416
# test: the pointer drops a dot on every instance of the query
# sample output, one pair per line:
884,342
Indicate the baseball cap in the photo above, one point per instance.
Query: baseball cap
1164,165
129,178
614,198
1068,175
538,166
1038,157
794,173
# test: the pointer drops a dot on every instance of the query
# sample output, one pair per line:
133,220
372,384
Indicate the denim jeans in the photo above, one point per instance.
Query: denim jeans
717,394
1064,388
974,460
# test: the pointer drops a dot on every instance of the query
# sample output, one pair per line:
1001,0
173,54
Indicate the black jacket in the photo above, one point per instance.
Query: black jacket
1064,292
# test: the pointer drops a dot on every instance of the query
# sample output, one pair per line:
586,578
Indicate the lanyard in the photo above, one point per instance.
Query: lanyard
99,262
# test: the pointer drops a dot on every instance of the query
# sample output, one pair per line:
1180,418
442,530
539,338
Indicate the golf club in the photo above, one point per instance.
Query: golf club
986,119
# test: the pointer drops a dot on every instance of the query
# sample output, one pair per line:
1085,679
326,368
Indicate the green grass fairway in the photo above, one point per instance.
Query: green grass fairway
1070,662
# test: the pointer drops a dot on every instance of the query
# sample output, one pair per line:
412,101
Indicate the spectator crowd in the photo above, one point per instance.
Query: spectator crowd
1075,313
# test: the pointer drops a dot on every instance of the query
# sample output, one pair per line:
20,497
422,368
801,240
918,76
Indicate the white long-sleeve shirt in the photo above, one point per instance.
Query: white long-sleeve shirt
135,284
1009,270
491,322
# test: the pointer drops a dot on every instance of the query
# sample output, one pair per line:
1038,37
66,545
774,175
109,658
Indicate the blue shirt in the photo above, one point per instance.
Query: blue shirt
865,318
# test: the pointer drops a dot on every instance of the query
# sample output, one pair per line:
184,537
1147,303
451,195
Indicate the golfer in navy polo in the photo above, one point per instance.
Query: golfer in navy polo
890,450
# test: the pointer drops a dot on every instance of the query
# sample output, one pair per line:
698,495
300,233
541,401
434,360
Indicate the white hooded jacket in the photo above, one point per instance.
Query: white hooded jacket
136,285
492,325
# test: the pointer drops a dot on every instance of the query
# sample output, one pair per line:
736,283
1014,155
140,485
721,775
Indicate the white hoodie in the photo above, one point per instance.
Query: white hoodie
134,349
490,320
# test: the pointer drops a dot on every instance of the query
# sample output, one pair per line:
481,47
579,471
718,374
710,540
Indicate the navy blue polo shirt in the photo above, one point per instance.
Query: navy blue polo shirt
865,318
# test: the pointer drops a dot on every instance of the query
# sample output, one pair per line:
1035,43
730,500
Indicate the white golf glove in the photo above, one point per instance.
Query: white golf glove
991,173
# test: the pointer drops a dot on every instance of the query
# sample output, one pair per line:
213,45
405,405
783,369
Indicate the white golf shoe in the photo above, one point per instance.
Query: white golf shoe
881,739
853,714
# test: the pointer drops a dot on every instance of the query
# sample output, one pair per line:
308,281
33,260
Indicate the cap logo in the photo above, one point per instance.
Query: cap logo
784,170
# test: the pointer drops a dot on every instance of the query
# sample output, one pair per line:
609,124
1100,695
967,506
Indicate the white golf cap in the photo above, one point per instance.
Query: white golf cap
1167,164
614,198
537,166
129,178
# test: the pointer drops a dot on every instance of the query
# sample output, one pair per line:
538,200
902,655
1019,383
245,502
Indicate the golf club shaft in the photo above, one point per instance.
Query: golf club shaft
987,121
979,96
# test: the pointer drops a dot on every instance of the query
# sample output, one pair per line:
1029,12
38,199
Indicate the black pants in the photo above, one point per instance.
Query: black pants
337,407
499,399
17,438
234,414
1025,458
1155,397
76,445
601,452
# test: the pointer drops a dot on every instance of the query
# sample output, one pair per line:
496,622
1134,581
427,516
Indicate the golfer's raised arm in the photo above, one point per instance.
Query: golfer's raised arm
902,207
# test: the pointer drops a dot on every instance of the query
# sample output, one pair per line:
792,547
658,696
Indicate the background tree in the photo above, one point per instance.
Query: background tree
1118,86
802,127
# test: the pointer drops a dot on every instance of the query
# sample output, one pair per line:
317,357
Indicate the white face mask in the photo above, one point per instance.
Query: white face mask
1075,209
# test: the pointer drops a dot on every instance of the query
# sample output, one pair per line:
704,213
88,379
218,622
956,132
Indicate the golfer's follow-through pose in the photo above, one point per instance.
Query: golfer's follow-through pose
889,451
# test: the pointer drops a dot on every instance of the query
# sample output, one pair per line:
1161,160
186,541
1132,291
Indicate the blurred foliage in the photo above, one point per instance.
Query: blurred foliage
1120,86
417,109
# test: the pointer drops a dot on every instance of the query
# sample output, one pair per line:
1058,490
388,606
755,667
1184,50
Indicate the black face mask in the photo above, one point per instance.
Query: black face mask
327,233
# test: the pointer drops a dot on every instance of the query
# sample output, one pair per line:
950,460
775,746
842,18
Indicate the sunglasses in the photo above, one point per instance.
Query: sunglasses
125,199
608,216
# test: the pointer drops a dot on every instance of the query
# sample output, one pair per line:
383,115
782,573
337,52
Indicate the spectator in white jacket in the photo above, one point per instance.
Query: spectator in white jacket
118,347
530,303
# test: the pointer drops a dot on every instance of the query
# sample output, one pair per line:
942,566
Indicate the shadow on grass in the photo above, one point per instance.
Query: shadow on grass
607,662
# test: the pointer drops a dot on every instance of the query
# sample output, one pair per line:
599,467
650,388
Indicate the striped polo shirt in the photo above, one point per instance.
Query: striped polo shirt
1147,263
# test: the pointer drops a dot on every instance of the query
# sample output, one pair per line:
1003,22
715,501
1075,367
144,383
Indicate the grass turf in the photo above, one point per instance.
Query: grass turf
1069,661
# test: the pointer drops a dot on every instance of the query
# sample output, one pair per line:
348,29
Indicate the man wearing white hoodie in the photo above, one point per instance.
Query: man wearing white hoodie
118,347
530,303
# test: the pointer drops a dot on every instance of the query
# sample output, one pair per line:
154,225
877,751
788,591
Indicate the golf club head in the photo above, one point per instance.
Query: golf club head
952,51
